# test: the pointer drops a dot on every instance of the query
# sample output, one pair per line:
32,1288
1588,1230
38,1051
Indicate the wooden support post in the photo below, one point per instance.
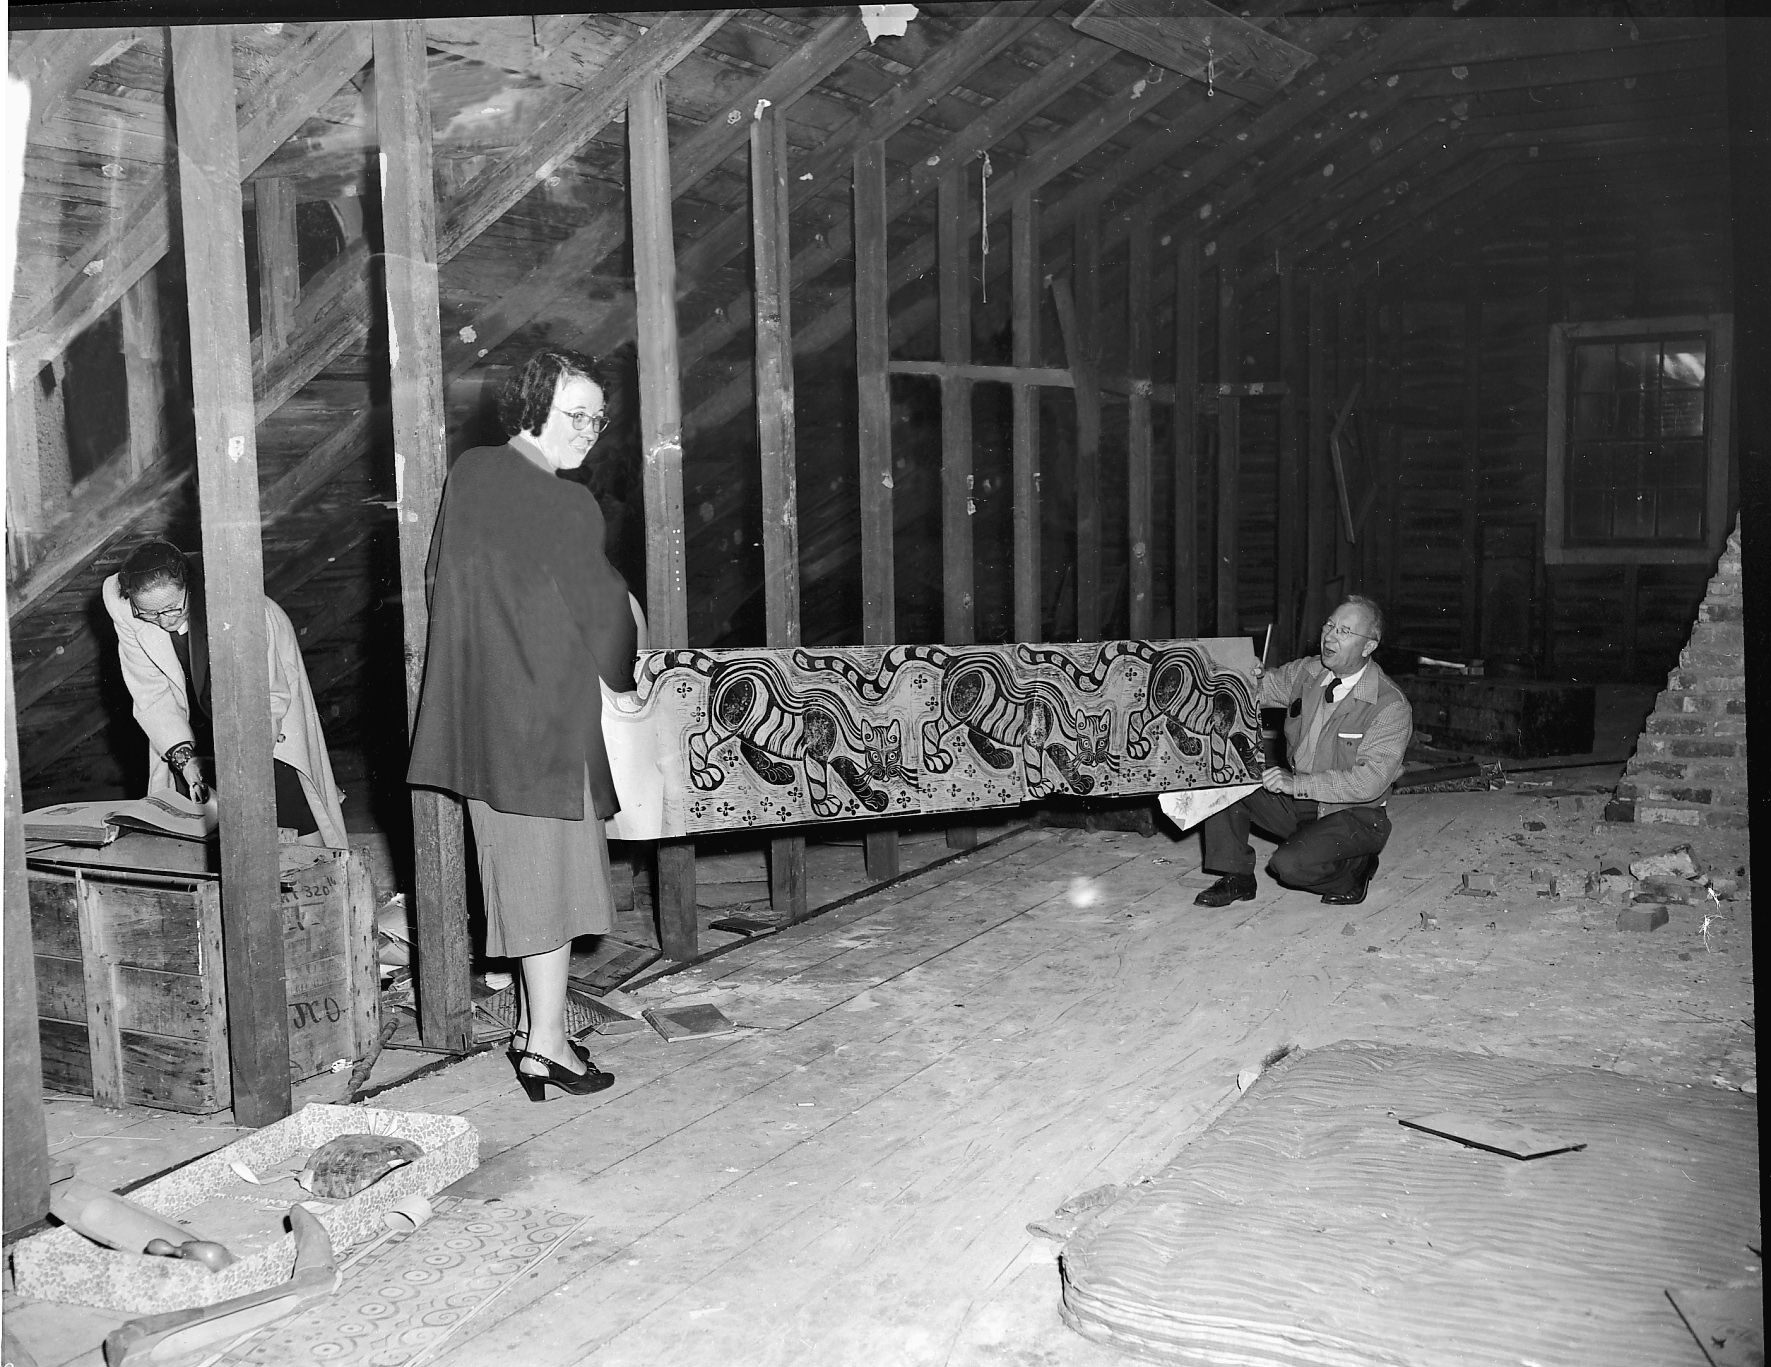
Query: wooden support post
1229,441
233,579
661,439
1382,366
1556,305
1319,486
1291,504
772,292
144,378
1083,348
1186,440
421,460
874,413
1139,480
279,261
1024,324
24,483
958,614
1471,605
25,1157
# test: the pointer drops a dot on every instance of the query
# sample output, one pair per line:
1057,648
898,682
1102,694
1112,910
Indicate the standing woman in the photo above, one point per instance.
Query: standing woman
155,602
526,614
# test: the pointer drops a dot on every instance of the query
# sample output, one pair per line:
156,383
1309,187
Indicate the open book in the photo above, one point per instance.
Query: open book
99,823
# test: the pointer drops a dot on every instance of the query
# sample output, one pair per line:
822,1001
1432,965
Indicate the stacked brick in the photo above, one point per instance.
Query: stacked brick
1689,768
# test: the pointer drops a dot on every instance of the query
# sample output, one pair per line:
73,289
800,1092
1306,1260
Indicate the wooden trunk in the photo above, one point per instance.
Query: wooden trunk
132,960
1502,716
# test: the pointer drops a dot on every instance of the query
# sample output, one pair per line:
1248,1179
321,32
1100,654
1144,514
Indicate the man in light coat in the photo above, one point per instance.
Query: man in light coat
156,605
1346,728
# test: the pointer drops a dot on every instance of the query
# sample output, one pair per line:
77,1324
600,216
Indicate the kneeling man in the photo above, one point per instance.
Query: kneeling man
1346,727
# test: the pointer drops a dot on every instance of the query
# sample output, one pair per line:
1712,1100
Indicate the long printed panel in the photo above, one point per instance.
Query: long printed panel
740,738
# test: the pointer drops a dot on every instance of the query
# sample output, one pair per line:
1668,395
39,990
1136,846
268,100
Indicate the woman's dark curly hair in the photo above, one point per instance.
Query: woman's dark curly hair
153,562
528,393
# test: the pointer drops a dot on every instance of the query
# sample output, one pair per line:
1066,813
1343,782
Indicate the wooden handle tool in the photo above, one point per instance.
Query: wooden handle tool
112,1220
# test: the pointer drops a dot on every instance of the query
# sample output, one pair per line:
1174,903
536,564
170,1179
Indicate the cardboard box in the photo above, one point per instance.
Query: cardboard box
60,1265
132,958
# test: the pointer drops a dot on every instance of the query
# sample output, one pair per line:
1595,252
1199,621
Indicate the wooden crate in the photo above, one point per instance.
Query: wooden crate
133,960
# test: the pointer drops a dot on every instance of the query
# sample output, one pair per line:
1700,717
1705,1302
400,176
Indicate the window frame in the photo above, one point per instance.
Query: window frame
1718,329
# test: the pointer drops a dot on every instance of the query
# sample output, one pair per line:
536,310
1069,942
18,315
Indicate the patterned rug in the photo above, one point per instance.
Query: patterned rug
1310,1227
406,1296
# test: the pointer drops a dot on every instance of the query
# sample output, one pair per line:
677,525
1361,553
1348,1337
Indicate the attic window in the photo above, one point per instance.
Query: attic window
1638,441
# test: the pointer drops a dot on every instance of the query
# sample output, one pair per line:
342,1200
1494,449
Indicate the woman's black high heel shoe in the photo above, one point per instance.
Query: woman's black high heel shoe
515,1051
592,1079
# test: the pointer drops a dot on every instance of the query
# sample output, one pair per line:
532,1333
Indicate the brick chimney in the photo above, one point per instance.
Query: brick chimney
1689,768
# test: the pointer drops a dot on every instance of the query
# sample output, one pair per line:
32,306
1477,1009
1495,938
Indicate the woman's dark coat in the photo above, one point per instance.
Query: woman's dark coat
526,612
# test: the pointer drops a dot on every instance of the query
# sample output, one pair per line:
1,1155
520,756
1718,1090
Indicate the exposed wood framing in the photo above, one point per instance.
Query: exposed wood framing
1140,308
56,64
143,371
874,415
227,487
25,513
26,1151
661,442
1229,440
307,76
983,132
1197,39
958,611
1024,324
279,275
1470,605
1079,316
776,444
691,163
334,316
1292,504
421,461
1186,439
1318,490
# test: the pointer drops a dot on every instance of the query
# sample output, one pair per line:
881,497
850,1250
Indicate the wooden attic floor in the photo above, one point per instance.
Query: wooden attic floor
848,1179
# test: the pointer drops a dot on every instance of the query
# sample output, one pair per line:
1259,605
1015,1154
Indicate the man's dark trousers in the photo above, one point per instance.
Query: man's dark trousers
1318,854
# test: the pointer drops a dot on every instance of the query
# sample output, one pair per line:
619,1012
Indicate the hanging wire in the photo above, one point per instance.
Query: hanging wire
1211,69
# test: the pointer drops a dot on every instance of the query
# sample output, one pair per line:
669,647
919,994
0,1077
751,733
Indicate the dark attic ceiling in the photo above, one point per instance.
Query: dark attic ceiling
1339,139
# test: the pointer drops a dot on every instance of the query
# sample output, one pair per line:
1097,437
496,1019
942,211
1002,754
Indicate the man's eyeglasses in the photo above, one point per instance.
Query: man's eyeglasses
162,614
1335,630
596,422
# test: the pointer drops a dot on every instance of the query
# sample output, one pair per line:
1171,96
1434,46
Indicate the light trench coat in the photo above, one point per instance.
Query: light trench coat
163,707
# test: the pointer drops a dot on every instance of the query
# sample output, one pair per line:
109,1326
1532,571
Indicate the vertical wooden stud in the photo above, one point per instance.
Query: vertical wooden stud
772,292
104,1046
24,1161
1471,602
233,581
661,439
24,484
1291,505
1318,481
953,241
144,377
1381,385
1084,350
1186,439
874,412
1024,323
279,263
1139,311
421,461
1229,440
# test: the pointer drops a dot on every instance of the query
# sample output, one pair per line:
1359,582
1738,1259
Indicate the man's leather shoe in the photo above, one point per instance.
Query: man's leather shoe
1232,887
1357,895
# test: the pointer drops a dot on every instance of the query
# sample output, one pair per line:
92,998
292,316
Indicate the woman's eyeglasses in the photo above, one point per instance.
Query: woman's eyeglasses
596,422
156,617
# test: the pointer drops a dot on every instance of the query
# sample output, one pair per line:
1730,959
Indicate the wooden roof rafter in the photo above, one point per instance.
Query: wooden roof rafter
337,316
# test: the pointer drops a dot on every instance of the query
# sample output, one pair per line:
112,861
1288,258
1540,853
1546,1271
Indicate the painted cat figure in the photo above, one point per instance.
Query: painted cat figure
783,731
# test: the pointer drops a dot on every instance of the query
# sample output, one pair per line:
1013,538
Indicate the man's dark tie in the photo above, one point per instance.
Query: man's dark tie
1328,693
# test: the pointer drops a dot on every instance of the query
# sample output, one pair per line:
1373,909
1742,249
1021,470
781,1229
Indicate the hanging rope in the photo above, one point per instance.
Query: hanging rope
984,172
